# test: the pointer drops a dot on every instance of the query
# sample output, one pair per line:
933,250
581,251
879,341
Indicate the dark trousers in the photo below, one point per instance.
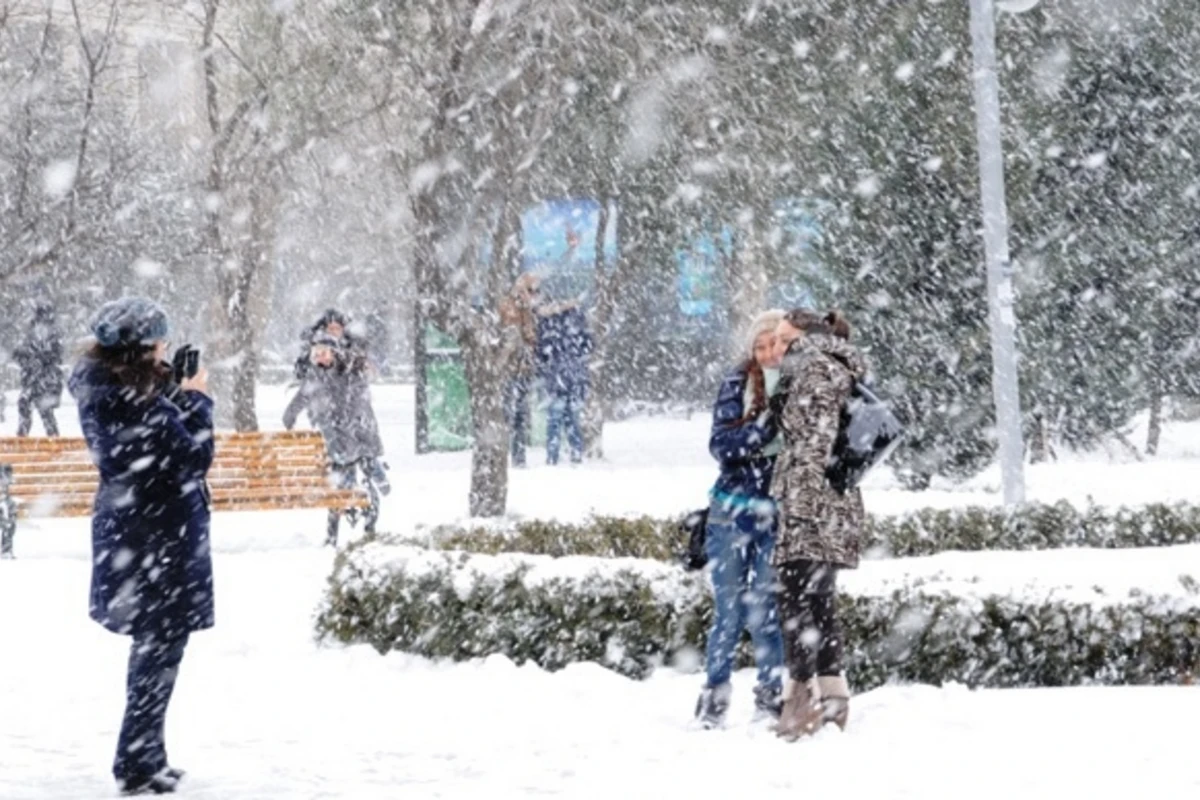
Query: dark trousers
519,415
564,412
812,635
345,476
153,666
25,405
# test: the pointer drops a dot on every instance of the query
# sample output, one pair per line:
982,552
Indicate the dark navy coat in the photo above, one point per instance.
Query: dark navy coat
745,471
564,345
151,565
40,358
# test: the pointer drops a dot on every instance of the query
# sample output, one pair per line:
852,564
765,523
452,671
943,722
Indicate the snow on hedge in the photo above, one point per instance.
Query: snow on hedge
983,619
917,533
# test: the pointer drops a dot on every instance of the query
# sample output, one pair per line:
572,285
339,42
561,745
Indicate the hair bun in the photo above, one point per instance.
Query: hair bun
107,334
838,324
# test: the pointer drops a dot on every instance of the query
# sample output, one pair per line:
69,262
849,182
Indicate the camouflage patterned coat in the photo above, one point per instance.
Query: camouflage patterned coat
816,523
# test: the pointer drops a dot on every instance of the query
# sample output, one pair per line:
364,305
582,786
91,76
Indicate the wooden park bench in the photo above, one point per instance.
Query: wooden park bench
55,477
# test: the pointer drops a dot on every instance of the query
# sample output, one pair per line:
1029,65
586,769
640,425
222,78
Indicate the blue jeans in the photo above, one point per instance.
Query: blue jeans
740,539
153,667
564,411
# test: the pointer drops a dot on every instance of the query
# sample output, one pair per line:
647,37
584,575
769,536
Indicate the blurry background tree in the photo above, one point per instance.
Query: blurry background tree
278,81
278,158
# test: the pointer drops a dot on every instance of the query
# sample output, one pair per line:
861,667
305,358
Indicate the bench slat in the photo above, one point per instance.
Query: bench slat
274,440
84,509
50,474
218,485
277,470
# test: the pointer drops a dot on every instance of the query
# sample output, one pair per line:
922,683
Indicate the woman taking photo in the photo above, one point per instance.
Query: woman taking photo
819,527
741,529
151,570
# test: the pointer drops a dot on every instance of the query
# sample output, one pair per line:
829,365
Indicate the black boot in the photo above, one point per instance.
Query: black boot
161,783
768,701
713,705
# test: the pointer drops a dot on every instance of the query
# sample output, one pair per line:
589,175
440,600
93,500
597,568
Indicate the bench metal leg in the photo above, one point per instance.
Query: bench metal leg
8,513
331,527
8,529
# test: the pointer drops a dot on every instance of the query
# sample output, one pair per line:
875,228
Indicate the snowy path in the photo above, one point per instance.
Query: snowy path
261,712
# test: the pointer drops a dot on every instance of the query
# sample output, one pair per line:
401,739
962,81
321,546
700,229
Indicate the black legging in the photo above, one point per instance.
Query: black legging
345,476
25,405
812,636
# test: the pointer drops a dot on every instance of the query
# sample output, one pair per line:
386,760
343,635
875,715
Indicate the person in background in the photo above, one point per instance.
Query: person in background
564,345
339,326
39,356
378,342
741,529
152,441
518,316
820,529
337,395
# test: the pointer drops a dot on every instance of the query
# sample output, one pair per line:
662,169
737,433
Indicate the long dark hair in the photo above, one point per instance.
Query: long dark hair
832,323
133,367
758,391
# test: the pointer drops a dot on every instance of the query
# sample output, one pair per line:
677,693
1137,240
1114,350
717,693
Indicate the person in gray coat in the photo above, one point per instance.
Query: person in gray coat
337,396
820,528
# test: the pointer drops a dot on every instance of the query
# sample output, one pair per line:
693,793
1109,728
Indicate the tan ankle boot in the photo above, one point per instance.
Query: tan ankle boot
802,714
835,699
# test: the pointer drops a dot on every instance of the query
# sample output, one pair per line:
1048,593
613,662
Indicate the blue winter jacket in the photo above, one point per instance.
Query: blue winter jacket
564,345
745,472
151,566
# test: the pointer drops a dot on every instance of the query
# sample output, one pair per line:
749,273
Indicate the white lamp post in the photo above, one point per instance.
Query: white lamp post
1001,313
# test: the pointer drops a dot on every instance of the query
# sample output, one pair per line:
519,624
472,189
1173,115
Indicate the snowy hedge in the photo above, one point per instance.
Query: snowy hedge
924,532
633,615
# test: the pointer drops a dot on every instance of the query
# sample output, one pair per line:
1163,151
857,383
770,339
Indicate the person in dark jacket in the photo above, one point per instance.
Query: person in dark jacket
334,323
40,358
338,399
820,531
741,530
152,442
564,345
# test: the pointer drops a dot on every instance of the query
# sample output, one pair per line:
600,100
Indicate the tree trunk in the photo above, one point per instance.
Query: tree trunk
1156,413
489,424
607,287
420,367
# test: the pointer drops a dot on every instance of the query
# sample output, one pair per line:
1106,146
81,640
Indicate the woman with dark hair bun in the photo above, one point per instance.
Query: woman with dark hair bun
819,528
152,442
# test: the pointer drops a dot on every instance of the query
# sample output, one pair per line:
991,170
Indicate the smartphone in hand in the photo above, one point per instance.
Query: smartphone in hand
186,363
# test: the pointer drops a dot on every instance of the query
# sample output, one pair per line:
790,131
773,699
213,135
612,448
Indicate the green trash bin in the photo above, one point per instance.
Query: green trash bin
448,399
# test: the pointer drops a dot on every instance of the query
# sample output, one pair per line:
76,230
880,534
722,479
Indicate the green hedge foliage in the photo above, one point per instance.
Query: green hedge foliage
635,615
920,533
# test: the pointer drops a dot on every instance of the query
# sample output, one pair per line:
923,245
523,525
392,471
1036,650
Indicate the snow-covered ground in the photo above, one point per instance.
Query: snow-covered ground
263,712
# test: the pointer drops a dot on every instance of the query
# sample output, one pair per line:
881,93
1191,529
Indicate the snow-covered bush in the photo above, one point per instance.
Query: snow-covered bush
629,614
924,532
635,614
